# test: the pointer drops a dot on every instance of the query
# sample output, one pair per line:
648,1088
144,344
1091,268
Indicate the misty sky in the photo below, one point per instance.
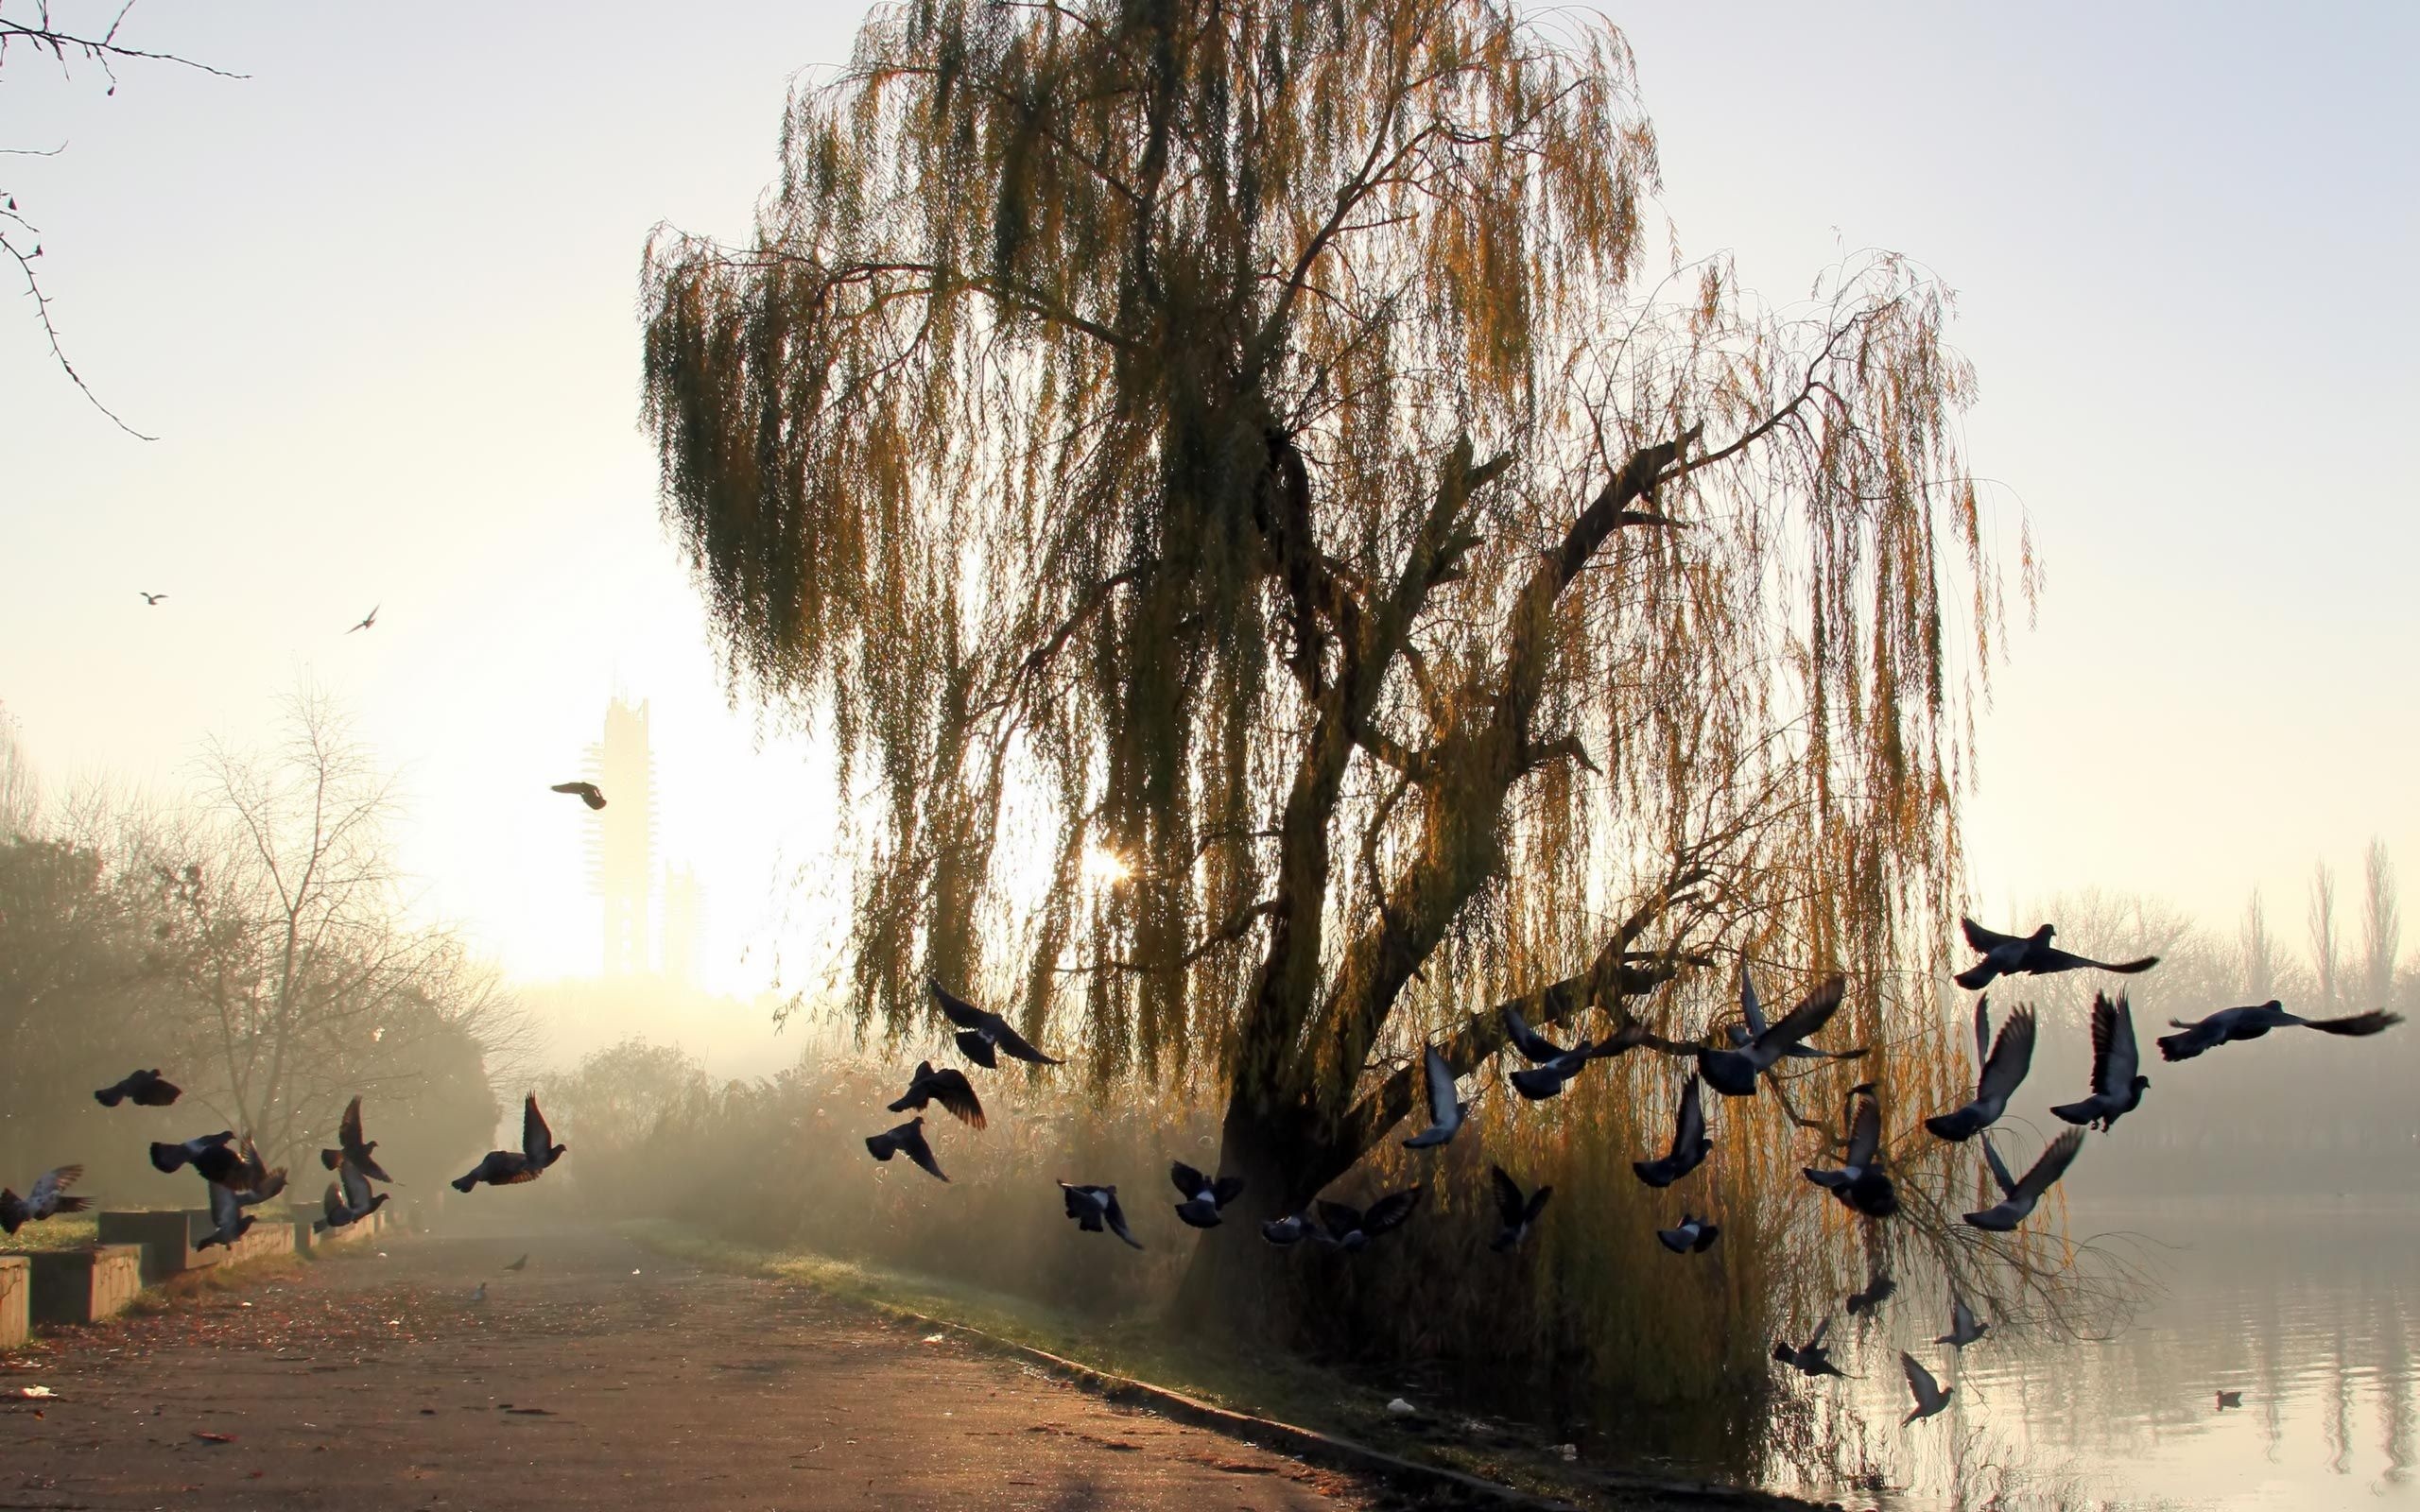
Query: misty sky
378,300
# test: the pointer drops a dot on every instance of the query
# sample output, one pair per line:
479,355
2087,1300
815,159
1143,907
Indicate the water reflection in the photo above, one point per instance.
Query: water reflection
2305,1308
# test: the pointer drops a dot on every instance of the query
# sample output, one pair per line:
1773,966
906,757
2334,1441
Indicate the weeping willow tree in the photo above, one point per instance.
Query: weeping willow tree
1285,577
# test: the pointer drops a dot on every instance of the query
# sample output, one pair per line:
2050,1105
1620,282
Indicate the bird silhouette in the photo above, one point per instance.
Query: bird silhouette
2030,955
2010,1057
1689,1144
1518,1214
2230,1024
229,1222
1350,1229
1877,1291
1203,1196
907,1140
2023,1195
982,1033
1094,1208
1930,1397
260,1182
1733,1072
1810,1358
1859,1182
144,1089
348,1201
1965,1327
1550,1065
152,599
1291,1230
588,793
2116,1089
511,1168
352,1147
947,1087
1446,1115
208,1153
2230,1398
1690,1236
48,1199
523,1264
369,619
1752,1015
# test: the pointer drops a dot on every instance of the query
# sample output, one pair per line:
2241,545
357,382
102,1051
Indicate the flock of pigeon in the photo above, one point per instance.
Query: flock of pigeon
236,1177
1753,1047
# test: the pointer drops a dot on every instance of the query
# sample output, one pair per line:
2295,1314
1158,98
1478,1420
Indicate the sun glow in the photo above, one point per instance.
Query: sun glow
1106,865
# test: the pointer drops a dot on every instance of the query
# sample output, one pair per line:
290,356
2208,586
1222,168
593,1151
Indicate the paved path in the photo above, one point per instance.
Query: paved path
604,1377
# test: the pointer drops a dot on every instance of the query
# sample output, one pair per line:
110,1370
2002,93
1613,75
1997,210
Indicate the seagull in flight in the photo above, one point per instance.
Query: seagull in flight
2230,1024
2116,1087
2008,1058
980,1033
369,619
588,792
2030,955
1446,1115
2023,1195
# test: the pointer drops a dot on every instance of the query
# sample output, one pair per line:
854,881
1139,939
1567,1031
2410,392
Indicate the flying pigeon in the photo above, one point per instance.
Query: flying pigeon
1859,1181
1733,1072
229,1222
2030,955
1550,1065
1752,1014
908,1140
209,1155
1352,1228
1519,1214
151,599
144,1089
1876,1292
2022,1196
349,1200
1965,1327
260,1182
2116,1090
980,1033
1445,1115
511,1168
588,793
2011,1057
1689,1144
1690,1236
1810,1358
1203,1197
1930,1396
349,1147
523,1264
46,1200
2230,1398
1094,1207
1291,1230
369,619
2230,1024
947,1087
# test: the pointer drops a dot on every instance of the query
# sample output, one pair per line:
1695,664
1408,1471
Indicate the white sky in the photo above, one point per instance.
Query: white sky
378,300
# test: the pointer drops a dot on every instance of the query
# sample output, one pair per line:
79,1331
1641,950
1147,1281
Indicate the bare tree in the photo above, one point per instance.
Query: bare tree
309,986
2259,950
2381,926
2327,947
67,47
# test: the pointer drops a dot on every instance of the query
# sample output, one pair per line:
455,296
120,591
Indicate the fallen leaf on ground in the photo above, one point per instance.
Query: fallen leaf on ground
214,1438
38,1393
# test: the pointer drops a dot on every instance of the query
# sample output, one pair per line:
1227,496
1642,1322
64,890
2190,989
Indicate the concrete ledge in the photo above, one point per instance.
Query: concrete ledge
16,1299
84,1285
165,1239
266,1239
305,1242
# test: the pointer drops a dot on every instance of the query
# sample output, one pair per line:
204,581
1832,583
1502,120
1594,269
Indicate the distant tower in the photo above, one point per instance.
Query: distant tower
680,923
622,842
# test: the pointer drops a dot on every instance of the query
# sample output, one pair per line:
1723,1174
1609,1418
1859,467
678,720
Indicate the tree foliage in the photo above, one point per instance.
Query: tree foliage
1250,442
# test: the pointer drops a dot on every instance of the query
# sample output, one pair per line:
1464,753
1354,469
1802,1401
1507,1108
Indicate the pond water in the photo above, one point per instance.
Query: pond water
2311,1309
